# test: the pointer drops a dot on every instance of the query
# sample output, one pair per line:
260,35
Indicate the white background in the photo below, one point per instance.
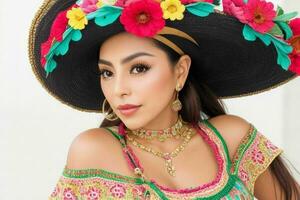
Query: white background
36,129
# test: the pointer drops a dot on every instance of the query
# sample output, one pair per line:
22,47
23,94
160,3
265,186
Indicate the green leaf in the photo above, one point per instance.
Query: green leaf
276,31
286,17
201,9
286,29
279,11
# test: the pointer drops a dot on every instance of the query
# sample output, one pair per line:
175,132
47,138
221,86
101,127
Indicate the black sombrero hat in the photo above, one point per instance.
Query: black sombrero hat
234,54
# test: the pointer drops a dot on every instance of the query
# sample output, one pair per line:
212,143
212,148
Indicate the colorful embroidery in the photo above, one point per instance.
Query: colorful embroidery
254,155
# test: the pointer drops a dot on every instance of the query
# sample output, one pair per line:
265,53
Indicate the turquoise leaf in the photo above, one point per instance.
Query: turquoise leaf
286,29
283,49
249,33
201,9
105,15
286,17
50,66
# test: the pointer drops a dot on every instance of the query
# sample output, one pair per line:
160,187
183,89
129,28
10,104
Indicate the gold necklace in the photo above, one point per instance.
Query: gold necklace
167,156
161,135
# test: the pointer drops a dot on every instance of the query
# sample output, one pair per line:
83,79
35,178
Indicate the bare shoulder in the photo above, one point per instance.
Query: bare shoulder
232,128
94,148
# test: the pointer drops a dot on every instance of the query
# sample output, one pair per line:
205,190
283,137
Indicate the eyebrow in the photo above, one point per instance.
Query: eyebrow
125,60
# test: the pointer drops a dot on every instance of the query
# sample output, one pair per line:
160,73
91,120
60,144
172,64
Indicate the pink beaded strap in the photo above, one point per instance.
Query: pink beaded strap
131,158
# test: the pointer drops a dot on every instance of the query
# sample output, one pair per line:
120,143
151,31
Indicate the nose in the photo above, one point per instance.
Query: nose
121,85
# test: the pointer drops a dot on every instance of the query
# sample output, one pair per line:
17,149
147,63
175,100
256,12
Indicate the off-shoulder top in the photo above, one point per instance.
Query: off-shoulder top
235,178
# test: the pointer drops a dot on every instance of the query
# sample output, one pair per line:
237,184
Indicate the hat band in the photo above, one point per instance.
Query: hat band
173,31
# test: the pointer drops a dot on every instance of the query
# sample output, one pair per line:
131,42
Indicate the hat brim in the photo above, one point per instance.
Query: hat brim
230,65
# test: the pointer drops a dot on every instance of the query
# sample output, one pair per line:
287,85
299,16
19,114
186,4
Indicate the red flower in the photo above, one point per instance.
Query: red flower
295,43
58,27
259,15
143,18
295,26
295,59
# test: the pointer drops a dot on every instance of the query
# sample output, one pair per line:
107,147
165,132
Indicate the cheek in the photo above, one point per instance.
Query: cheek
156,87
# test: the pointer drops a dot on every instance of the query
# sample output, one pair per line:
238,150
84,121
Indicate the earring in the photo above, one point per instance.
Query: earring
108,116
176,105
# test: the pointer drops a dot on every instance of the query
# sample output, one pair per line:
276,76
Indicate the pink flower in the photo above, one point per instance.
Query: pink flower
244,175
257,156
93,194
259,15
89,6
69,194
118,191
295,43
235,8
194,1
269,145
143,18
55,192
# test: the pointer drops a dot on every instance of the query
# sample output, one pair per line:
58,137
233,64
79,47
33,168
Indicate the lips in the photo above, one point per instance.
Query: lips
128,110
127,106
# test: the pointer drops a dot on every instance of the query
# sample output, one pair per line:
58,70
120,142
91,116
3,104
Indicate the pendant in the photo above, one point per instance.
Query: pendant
169,164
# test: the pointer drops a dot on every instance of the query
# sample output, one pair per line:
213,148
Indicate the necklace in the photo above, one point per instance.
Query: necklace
174,131
167,156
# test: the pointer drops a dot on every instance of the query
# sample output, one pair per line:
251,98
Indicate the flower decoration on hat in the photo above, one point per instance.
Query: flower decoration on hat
144,18
262,21
173,9
77,18
295,42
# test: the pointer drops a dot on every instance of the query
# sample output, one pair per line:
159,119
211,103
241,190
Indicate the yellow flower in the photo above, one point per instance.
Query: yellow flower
77,18
172,9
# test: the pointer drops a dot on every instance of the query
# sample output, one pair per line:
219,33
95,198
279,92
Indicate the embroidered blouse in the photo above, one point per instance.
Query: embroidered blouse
235,178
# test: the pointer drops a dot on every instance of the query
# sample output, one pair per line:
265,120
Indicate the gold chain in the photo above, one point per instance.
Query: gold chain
167,156
175,131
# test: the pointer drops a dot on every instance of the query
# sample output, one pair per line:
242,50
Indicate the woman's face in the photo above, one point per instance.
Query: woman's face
135,71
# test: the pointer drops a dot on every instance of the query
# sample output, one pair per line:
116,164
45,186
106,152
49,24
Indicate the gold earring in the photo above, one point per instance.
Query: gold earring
176,105
108,116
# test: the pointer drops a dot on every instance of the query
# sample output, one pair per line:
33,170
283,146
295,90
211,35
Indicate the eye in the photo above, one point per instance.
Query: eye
140,68
103,71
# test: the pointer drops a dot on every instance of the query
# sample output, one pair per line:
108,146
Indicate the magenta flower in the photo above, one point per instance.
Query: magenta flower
89,6
259,15
235,8
143,18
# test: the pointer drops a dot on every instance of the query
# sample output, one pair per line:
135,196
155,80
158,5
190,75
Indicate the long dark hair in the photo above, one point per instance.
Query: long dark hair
198,101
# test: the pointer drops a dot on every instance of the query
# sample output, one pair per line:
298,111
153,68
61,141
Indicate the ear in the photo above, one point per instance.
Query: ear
182,69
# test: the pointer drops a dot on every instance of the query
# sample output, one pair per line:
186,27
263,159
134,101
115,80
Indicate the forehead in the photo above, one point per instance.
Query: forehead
128,43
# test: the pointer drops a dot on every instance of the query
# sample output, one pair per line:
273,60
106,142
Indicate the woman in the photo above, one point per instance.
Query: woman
163,67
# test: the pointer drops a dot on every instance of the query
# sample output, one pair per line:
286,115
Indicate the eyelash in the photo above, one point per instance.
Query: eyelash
137,65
